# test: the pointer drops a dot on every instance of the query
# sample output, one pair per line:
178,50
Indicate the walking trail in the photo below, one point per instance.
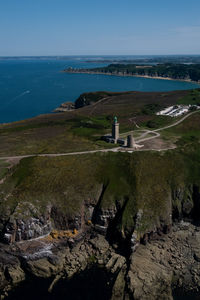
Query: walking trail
116,149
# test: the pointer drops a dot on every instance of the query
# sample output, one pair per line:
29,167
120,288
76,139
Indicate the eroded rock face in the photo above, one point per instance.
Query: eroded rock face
102,219
148,279
186,202
61,262
151,272
164,256
18,230
25,223
28,221
171,261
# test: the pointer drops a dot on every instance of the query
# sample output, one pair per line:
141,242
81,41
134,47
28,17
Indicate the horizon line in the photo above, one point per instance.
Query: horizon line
67,55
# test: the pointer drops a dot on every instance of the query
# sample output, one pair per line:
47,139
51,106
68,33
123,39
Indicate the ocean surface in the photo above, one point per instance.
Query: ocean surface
30,87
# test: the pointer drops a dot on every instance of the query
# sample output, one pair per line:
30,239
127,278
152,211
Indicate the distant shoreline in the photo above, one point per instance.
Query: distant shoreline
130,75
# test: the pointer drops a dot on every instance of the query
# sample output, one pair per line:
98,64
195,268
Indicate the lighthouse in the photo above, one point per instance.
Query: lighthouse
115,130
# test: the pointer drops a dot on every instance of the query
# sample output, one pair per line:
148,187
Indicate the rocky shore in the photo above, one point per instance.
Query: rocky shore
82,71
156,270
66,106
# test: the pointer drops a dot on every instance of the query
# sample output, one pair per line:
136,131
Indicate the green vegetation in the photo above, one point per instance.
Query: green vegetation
159,122
186,133
80,133
81,130
89,98
169,70
126,182
3,168
92,260
93,97
133,107
151,109
192,98
23,172
91,127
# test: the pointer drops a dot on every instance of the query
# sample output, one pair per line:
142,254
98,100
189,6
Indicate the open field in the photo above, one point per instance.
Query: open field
3,169
81,129
184,133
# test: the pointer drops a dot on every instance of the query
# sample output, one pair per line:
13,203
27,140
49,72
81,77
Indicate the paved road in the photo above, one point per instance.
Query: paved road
116,149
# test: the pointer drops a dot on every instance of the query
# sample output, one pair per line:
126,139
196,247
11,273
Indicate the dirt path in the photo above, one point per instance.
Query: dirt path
178,122
139,140
94,105
116,149
156,134
19,157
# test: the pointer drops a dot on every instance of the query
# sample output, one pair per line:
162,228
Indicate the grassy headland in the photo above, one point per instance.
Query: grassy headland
128,183
186,72
81,129
143,180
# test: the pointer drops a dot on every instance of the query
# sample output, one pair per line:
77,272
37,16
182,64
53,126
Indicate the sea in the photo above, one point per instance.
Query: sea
34,86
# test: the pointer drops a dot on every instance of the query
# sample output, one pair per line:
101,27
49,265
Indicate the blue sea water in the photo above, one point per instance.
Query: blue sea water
31,87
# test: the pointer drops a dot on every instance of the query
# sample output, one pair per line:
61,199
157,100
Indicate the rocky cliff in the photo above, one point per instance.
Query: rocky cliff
131,219
162,269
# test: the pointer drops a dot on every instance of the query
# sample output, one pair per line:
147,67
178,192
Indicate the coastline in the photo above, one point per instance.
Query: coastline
130,75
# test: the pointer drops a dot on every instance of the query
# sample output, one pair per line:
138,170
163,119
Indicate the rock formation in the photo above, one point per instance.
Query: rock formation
134,227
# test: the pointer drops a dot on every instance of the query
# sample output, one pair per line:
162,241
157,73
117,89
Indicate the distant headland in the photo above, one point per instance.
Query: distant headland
169,71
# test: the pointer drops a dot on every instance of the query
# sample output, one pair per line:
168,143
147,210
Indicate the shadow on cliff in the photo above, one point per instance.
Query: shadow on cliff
114,234
92,283
179,294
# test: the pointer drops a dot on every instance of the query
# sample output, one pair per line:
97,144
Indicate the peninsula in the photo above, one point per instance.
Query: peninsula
168,71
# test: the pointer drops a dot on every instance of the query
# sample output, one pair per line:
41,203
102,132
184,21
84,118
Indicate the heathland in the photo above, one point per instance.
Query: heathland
132,201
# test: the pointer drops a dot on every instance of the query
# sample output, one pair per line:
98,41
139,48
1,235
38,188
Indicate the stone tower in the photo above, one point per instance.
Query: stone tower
115,129
130,141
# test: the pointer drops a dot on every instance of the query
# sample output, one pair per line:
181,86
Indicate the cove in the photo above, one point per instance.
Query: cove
32,87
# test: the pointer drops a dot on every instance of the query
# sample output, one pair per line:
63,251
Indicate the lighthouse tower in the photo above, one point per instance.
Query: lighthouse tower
115,130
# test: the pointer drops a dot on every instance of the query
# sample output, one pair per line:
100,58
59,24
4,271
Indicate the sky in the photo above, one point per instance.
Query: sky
103,27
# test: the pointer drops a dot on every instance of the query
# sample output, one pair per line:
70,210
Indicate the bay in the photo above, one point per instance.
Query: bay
30,87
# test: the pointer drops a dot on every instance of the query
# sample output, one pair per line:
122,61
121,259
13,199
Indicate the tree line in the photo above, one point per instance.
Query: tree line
168,70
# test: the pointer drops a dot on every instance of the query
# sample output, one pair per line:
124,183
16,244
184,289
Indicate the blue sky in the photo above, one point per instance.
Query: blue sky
86,27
